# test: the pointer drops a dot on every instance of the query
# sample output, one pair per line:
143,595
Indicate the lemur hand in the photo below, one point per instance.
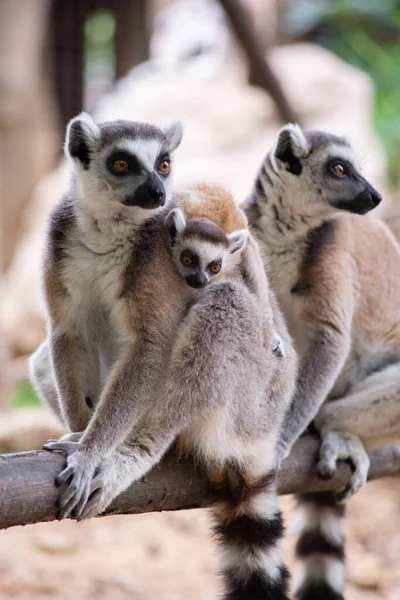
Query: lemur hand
75,480
338,445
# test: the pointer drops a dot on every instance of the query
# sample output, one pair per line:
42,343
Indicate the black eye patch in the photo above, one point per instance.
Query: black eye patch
193,261
348,169
215,266
123,163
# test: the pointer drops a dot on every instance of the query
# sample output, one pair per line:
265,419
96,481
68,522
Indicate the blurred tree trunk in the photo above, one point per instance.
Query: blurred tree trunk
26,147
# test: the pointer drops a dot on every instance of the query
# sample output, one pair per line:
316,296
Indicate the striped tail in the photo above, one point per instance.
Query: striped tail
250,532
320,548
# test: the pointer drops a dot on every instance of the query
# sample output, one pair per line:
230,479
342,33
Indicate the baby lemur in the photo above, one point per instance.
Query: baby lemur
202,251
225,396
336,275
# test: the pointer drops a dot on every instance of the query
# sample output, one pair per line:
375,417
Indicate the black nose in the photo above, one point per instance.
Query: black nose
196,281
375,197
156,192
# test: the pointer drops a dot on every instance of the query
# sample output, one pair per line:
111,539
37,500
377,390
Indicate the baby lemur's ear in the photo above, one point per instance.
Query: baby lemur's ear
173,132
237,240
81,136
176,223
291,146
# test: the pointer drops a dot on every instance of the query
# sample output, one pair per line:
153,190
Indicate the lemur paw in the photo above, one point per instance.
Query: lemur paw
338,445
102,493
74,483
64,446
68,437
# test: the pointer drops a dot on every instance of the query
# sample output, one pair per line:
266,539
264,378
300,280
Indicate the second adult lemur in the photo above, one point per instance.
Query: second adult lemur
225,396
337,279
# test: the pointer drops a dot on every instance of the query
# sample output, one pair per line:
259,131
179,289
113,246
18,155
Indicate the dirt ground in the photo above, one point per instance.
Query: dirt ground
172,555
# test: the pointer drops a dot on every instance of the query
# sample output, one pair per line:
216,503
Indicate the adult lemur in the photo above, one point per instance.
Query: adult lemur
118,304
337,279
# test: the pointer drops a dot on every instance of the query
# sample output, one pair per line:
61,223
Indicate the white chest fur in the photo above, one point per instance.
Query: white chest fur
93,281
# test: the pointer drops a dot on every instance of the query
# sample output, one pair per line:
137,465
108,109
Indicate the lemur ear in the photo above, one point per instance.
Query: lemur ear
82,134
173,132
237,240
176,223
291,146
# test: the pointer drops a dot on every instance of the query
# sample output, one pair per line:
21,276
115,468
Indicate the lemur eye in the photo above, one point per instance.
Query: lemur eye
164,166
186,260
120,166
339,170
215,268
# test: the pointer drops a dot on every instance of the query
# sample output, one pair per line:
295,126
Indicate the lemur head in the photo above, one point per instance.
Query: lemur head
322,171
122,163
201,250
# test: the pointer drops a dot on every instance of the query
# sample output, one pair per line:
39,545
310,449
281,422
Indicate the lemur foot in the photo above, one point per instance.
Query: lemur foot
68,437
75,480
338,445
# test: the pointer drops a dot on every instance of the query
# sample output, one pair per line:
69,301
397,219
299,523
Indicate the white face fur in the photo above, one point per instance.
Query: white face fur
200,249
122,168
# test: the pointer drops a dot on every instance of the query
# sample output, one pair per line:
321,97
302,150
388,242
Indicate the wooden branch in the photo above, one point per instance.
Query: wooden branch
261,73
28,493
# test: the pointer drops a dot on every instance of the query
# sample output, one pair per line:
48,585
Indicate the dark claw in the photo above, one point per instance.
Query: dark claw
351,464
343,494
65,477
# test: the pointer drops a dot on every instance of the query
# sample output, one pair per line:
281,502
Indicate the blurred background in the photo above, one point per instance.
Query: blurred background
234,72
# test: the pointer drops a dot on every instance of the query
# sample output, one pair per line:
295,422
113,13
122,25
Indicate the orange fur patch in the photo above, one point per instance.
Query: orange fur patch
215,204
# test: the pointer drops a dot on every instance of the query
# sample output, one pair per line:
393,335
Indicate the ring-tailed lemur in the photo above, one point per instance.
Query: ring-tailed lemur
225,396
98,236
115,299
337,279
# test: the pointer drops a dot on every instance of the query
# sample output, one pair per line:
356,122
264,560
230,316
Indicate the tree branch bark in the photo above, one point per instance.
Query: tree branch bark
28,493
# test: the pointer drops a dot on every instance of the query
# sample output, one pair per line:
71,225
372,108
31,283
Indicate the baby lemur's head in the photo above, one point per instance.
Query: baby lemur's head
201,250
317,172
122,165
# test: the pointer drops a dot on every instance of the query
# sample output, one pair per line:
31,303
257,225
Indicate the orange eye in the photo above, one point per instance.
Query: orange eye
120,166
339,170
187,260
215,269
164,166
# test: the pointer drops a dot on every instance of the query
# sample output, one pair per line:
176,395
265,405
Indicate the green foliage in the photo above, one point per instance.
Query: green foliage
24,395
365,33
99,41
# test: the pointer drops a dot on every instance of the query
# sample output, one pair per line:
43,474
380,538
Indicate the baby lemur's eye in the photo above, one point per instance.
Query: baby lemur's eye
186,260
120,166
215,268
339,169
164,166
